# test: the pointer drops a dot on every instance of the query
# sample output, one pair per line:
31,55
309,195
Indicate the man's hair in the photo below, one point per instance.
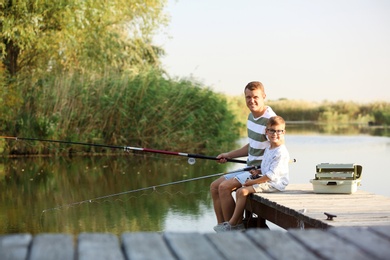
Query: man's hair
254,85
275,120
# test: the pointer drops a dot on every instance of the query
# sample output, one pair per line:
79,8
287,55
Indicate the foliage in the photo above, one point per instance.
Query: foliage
78,35
376,113
295,110
381,113
144,110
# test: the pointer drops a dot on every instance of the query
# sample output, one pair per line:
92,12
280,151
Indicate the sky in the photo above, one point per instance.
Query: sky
299,49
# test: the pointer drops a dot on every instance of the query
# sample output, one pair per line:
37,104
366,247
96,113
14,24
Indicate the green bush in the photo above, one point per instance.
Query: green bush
381,113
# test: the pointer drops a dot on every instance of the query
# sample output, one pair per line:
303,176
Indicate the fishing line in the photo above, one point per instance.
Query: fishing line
154,187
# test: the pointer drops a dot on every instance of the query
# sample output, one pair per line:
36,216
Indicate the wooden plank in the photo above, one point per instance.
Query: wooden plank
279,245
328,246
333,243
98,246
282,216
191,246
14,246
366,240
145,246
61,247
299,201
232,245
382,230
354,222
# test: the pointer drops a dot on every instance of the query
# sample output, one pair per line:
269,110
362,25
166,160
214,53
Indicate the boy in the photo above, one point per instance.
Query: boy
274,171
221,189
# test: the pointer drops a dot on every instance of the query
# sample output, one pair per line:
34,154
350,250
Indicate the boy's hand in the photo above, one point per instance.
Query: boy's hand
255,173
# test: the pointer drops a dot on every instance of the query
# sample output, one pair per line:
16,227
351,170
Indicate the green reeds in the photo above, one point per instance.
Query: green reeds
377,113
146,110
326,115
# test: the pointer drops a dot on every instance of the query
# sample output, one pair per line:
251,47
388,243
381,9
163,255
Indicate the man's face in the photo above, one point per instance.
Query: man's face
255,100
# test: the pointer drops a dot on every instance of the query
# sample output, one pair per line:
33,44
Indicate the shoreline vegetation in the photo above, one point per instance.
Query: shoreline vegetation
145,110
373,115
148,110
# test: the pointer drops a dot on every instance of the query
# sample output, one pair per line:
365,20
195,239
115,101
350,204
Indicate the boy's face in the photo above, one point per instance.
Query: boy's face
255,101
276,133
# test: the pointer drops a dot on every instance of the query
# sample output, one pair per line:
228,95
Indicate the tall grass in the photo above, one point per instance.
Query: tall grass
340,112
145,110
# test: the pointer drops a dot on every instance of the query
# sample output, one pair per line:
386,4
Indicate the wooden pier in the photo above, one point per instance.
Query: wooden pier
300,207
334,243
359,229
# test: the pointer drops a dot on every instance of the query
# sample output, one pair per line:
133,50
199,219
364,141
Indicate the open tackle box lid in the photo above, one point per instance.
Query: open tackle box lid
342,171
337,178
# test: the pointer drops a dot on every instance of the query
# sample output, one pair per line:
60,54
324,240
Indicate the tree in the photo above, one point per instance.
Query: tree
48,35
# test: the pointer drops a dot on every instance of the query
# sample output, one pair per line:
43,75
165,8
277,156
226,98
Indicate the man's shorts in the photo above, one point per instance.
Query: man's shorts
240,176
243,176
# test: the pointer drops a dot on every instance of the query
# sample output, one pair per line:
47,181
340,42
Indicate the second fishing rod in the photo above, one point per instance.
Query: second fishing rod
191,156
153,187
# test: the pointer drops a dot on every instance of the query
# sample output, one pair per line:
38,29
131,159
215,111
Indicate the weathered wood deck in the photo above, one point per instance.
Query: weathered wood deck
300,207
334,243
361,230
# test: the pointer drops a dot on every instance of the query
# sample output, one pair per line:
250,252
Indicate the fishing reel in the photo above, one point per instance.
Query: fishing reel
191,161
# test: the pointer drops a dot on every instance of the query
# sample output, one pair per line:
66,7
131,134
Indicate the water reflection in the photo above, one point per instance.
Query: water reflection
336,129
94,194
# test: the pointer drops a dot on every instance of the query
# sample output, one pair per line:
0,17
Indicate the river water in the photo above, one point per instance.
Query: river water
149,192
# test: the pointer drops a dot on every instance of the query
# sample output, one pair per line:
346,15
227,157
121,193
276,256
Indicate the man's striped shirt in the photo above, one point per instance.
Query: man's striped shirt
256,136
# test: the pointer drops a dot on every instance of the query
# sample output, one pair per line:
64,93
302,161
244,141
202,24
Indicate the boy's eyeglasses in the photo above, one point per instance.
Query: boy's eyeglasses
273,131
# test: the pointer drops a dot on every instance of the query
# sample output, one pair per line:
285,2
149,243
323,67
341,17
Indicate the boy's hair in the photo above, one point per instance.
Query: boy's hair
254,85
275,120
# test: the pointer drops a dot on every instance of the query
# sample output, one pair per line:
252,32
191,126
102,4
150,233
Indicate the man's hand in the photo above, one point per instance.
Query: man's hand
222,157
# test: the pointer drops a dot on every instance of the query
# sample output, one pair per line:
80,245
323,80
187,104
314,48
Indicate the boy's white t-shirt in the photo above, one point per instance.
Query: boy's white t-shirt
275,165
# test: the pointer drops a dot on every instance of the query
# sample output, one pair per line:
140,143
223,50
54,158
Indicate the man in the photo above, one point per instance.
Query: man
221,189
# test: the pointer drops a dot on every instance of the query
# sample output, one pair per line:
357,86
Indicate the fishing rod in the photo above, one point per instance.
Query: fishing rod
150,187
191,156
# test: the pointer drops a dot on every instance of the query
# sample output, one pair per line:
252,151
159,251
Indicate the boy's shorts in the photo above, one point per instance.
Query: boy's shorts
264,187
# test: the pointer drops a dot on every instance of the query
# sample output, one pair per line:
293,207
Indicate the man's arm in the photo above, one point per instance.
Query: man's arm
242,152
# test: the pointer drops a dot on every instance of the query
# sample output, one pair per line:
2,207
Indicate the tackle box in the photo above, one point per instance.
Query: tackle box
337,178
